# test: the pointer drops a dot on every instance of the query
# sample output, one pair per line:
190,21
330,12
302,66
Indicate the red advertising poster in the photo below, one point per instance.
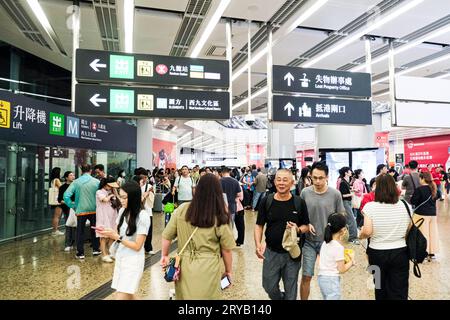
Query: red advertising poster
382,141
310,155
429,150
300,159
255,155
164,154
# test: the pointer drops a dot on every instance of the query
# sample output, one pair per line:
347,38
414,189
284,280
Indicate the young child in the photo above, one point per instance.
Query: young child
333,258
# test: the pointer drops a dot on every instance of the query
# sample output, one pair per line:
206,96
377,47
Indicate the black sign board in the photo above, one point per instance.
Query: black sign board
321,81
134,102
321,110
399,158
60,153
27,120
114,67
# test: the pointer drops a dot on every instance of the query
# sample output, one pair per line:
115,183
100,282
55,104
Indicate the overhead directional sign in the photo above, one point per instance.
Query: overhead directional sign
109,101
321,110
320,81
104,66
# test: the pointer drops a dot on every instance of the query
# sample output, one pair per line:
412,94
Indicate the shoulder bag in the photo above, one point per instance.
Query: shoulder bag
172,271
53,192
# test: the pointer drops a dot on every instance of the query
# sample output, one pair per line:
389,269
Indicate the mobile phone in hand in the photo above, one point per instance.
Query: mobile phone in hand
225,282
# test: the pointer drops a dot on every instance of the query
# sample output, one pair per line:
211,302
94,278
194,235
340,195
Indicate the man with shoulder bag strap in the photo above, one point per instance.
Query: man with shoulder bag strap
282,260
411,181
184,186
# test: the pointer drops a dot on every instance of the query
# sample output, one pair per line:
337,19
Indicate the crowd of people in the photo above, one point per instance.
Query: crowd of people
300,218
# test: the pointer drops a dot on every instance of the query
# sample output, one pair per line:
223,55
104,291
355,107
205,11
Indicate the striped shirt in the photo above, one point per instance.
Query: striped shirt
390,223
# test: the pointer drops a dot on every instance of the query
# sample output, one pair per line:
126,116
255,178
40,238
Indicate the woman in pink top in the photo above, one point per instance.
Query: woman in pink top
106,214
239,219
359,188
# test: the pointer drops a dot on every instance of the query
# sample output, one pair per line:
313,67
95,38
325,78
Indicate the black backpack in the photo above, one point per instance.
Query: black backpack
416,243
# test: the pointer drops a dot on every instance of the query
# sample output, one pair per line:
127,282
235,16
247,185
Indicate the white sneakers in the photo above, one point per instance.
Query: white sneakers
107,259
57,233
67,249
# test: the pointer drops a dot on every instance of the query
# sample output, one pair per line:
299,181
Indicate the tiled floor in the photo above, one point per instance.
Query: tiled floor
38,268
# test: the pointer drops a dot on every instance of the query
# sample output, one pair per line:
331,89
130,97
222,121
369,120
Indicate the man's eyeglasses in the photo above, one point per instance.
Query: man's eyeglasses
318,178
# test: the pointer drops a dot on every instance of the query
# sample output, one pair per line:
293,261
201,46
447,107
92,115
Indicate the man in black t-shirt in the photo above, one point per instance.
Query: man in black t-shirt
281,214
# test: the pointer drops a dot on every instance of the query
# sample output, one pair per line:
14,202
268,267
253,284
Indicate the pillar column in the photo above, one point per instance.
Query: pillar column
281,140
144,145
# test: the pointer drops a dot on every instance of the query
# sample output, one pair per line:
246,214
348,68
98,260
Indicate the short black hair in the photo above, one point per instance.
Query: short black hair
99,167
413,164
225,169
372,182
85,168
380,167
320,165
139,171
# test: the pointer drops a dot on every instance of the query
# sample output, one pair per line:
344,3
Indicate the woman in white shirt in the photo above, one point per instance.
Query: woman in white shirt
386,222
133,224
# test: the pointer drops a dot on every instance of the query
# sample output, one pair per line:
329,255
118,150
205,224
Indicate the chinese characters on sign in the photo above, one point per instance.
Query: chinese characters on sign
320,81
321,110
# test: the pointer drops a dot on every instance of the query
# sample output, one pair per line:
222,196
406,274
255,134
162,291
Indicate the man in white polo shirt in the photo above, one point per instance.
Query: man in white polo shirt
184,185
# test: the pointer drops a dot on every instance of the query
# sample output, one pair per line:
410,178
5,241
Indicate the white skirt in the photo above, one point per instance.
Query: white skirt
128,272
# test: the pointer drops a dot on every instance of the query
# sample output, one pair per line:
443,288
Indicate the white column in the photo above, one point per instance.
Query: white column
144,150
281,140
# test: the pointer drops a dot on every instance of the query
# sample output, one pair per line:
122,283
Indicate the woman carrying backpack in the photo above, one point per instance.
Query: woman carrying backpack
424,201
386,222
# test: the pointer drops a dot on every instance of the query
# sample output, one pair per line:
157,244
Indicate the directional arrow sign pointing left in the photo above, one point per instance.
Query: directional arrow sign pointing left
95,99
289,77
95,65
289,107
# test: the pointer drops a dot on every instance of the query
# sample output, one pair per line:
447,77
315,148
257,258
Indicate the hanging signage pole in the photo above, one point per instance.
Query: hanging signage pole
392,82
249,56
75,46
269,74
230,61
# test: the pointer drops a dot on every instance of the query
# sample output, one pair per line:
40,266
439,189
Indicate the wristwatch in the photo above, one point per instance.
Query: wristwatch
120,239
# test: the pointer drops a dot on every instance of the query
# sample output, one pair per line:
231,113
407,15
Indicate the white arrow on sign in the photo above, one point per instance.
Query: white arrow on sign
95,99
289,77
289,107
95,65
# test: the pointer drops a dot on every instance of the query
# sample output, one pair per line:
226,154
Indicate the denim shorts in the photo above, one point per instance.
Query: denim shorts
330,286
310,251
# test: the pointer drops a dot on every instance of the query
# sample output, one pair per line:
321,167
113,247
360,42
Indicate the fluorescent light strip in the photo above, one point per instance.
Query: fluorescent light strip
389,17
210,27
129,24
40,15
420,66
405,47
443,76
305,15
256,94
201,143
184,136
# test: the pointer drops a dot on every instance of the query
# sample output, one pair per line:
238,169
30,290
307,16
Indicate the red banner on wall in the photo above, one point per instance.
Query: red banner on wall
164,154
382,141
255,155
429,150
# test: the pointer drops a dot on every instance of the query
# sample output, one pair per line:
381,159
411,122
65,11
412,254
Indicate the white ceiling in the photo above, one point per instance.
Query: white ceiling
157,23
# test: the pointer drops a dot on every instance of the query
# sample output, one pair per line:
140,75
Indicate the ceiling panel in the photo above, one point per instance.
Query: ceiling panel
335,14
155,40
418,17
176,5
258,10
